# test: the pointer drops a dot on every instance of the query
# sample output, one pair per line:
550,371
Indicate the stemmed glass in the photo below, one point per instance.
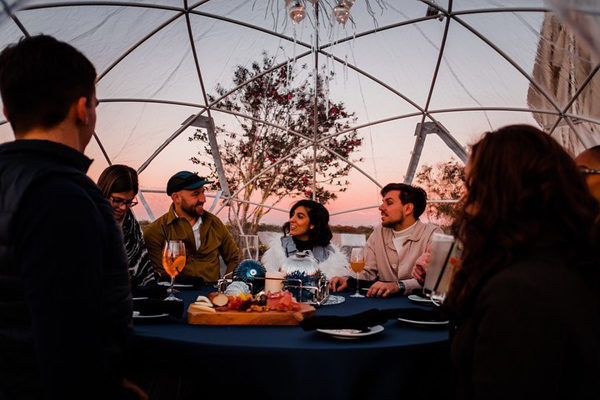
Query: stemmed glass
357,264
173,259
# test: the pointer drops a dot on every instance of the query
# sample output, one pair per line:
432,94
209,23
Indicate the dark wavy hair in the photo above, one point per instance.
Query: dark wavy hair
117,179
409,194
522,189
319,217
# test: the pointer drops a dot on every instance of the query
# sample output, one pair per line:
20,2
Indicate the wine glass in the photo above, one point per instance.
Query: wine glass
357,264
173,259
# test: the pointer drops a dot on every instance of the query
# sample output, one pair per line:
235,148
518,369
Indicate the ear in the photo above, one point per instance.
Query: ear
82,110
409,208
311,227
175,197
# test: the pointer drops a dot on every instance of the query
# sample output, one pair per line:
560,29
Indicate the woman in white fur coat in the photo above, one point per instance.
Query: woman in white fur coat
307,229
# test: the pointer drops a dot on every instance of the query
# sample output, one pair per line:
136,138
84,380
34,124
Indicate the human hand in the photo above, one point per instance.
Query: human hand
338,283
383,289
420,269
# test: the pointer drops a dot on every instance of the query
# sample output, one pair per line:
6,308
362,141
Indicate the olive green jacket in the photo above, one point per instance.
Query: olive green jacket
204,262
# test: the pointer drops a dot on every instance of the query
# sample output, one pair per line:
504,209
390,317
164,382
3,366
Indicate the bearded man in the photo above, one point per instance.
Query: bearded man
203,233
395,245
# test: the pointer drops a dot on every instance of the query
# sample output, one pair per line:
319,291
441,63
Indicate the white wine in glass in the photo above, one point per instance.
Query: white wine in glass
173,259
357,264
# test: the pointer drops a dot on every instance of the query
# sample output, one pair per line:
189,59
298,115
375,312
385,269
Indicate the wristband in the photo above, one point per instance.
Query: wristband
402,287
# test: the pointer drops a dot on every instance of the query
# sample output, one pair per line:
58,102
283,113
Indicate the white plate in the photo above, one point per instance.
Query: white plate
351,333
177,285
136,315
424,323
419,299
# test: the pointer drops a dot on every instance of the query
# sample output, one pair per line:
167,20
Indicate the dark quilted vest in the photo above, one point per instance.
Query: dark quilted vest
21,166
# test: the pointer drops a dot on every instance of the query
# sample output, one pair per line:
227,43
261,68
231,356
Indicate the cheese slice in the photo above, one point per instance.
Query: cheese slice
202,307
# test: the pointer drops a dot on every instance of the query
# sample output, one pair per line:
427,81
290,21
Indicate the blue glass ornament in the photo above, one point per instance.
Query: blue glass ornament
247,271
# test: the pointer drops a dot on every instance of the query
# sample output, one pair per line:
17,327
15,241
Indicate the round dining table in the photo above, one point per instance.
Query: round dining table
175,360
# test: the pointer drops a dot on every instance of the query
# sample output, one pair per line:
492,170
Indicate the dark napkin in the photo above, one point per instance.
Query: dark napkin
359,321
371,318
155,307
417,314
151,291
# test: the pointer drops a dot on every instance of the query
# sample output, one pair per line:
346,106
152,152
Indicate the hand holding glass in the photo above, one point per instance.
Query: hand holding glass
173,259
357,264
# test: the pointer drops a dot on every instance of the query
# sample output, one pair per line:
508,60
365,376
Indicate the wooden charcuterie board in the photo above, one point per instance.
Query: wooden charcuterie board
196,317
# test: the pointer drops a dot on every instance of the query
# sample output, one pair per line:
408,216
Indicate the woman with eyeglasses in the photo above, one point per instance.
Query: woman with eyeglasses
119,184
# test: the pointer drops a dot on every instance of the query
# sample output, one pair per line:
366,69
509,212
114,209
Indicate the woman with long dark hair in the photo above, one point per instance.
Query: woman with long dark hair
119,184
525,297
307,229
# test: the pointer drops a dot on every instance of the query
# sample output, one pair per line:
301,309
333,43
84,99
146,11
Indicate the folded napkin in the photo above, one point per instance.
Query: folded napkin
417,314
371,318
152,291
359,321
156,307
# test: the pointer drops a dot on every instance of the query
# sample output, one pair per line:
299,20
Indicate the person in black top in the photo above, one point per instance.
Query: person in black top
525,297
65,302
119,184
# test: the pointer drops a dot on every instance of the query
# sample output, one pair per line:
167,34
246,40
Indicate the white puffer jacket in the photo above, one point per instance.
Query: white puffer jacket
336,263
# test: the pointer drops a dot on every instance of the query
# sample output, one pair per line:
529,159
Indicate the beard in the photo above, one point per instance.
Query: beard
192,209
393,223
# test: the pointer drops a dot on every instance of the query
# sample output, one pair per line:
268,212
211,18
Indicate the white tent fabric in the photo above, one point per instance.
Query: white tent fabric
466,66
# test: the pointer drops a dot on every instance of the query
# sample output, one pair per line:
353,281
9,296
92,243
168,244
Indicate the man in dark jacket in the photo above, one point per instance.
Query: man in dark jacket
65,303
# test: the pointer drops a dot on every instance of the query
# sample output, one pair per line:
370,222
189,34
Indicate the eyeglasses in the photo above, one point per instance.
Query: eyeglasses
589,171
119,202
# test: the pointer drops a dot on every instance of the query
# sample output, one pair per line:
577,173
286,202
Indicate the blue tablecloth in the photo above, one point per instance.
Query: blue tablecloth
177,360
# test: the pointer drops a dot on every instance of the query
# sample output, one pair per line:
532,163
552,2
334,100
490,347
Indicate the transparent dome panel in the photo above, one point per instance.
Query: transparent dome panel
474,75
275,16
547,50
9,32
131,132
163,4
468,126
103,34
584,103
224,47
576,134
162,68
392,57
6,132
100,163
462,5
